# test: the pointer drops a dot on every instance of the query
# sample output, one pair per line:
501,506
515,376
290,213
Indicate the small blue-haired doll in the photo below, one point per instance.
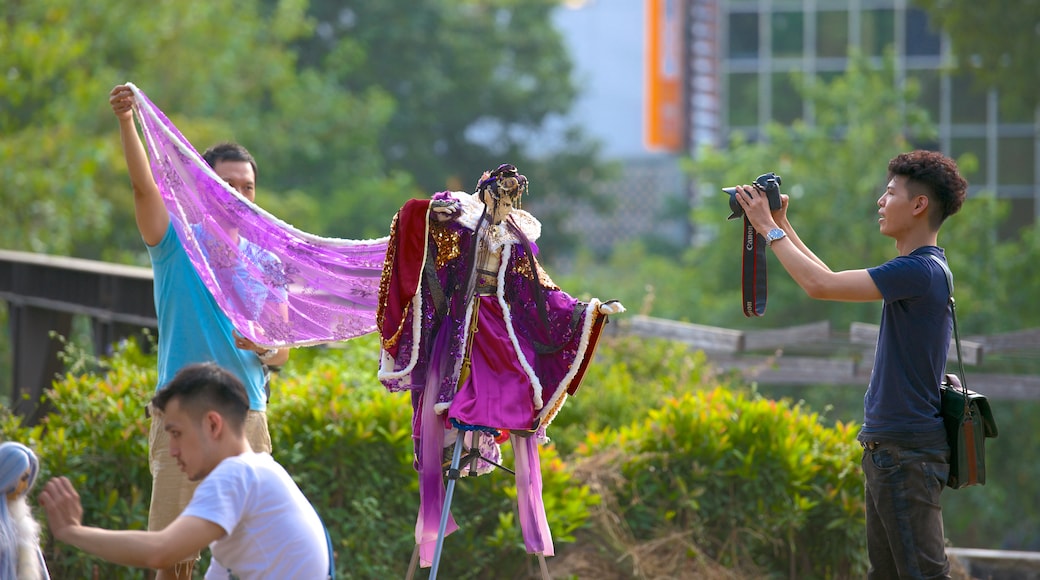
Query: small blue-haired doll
20,555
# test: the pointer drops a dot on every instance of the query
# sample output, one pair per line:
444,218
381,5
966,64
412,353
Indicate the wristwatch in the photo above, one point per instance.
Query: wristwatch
774,235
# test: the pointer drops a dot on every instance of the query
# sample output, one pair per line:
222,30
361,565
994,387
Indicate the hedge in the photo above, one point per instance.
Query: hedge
755,484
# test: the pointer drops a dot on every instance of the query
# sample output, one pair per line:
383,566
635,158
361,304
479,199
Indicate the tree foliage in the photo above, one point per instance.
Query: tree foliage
997,42
220,70
349,107
833,169
473,82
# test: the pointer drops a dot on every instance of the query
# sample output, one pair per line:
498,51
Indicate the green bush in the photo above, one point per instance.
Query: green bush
98,438
345,440
755,484
633,376
755,481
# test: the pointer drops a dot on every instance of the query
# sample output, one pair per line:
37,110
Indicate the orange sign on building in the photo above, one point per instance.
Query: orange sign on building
664,119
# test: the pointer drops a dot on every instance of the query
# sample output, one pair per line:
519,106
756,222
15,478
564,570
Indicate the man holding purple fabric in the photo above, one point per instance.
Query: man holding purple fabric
488,345
192,328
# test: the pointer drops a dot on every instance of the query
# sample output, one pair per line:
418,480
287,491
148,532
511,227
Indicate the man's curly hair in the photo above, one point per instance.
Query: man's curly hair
935,175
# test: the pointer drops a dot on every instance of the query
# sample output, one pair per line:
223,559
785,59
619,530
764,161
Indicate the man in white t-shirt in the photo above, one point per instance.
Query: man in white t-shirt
247,509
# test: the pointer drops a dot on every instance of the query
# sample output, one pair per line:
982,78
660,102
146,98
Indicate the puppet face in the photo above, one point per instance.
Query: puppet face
500,208
21,487
501,190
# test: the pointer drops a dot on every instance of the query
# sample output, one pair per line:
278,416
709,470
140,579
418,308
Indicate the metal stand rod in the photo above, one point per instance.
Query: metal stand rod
544,567
413,563
453,476
471,458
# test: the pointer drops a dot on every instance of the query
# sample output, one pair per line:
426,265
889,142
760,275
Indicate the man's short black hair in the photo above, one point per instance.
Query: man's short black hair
203,387
935,175
229,151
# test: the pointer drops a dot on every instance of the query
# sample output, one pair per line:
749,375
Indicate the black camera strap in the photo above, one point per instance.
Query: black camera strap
753,272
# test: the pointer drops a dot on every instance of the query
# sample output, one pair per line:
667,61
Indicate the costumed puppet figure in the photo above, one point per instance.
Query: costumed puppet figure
20,555
488,345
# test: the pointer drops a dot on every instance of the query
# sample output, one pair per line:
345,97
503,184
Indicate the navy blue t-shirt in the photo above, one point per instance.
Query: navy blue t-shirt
902,401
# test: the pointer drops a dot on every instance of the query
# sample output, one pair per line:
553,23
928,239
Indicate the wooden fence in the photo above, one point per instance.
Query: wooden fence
776,356
44,292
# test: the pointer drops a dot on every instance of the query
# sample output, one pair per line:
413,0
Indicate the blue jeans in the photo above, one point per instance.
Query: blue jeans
904,517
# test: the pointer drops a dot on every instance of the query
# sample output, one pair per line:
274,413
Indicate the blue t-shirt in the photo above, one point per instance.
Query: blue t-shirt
916,324
192,328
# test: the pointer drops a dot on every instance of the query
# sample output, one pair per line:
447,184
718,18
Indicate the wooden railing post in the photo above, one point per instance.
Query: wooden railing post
35,357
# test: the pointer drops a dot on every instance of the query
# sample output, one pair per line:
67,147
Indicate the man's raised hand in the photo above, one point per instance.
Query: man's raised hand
61,502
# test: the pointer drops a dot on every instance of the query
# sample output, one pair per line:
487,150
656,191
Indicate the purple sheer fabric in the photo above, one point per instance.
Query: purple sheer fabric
280,286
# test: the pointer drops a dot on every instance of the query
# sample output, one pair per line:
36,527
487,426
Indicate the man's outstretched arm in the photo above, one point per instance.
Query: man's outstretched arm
807,270
143,549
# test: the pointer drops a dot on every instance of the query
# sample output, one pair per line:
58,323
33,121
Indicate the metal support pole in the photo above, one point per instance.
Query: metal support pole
453,476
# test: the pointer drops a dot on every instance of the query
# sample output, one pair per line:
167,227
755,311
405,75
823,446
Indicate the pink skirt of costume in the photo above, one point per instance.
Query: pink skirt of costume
498,392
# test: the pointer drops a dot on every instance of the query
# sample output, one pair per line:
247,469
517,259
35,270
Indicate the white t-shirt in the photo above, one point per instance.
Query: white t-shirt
273,531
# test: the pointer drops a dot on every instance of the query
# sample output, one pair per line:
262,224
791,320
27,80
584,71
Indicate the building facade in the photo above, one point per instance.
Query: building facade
737,57
763,41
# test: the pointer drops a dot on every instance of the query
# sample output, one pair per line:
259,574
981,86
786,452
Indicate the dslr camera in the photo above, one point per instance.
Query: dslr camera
768,183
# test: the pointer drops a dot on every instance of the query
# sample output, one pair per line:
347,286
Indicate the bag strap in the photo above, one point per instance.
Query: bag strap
331,574
953,310
332,553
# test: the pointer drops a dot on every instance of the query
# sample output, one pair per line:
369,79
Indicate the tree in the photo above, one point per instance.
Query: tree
996,42
387,101
65,185
49,187
472,84
834,169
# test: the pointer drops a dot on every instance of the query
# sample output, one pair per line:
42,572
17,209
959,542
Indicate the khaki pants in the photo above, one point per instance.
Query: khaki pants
171,488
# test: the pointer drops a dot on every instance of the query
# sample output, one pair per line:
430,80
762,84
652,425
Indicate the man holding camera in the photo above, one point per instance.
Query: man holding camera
905,454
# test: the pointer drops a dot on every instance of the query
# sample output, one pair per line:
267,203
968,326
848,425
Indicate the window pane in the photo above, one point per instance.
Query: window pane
828,77
976,148
1020,216
929,93
926,144
921,40
787,101
832,34
788,31
877,31
1014,110
743,100
743,35
969,102
1015,156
